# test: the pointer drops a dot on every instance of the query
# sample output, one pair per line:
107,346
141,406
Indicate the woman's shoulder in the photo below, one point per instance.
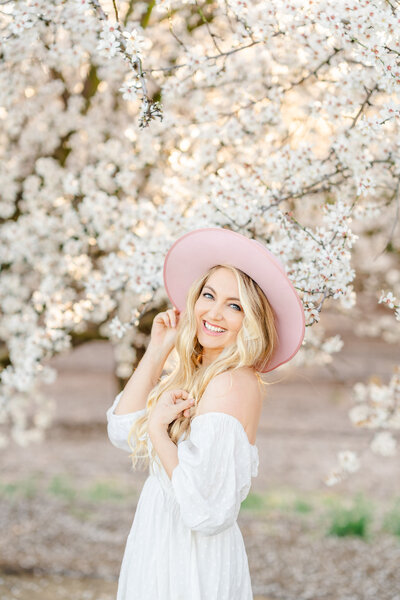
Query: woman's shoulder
236,392
235,380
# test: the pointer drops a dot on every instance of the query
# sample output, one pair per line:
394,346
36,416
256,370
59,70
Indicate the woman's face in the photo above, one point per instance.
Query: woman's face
219,306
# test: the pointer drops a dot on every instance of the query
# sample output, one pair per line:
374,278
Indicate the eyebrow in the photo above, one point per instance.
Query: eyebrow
209,286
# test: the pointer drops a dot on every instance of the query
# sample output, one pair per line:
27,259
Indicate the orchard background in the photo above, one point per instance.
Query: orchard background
126,124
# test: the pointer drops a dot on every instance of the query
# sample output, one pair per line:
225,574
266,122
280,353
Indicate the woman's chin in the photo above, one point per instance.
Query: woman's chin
208,340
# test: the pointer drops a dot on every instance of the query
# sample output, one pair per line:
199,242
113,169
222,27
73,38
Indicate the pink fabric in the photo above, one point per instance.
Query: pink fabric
195,252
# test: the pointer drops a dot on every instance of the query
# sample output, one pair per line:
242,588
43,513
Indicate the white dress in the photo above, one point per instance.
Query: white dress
184,542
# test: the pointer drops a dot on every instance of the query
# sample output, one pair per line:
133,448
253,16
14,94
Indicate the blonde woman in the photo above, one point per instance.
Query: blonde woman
235,315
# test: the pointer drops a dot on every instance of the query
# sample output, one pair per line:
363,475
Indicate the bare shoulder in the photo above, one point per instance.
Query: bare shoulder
236,392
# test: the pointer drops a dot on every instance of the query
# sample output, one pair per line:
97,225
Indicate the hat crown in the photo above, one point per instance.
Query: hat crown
195,252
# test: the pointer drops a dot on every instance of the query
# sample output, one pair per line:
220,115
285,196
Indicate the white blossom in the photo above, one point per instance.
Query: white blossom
348,461
130,89
135,43
384,444
117,328
388,299
109,43
334,477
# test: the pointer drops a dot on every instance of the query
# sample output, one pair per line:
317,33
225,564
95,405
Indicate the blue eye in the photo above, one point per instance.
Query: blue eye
208,293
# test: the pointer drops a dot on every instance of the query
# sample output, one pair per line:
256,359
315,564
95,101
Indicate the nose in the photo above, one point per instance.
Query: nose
215,314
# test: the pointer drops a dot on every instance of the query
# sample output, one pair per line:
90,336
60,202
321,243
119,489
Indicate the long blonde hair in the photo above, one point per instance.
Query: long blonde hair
254,345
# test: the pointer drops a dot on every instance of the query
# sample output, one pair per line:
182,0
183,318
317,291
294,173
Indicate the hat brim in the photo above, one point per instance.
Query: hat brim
198,250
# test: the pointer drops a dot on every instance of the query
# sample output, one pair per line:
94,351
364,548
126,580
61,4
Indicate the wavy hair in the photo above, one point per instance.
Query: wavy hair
253,347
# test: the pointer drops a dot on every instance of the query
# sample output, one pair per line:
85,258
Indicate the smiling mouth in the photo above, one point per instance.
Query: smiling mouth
214,331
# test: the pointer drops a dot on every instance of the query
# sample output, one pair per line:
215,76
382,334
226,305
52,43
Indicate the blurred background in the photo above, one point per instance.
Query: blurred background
280,121
67,504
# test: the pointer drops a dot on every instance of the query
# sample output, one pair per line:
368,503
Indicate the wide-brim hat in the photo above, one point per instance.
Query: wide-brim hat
191,255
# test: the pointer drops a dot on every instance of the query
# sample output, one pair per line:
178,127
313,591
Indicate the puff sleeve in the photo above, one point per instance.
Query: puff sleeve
213,476
118,426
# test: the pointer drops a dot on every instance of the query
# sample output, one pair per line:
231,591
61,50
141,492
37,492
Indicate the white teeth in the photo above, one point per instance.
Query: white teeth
211,328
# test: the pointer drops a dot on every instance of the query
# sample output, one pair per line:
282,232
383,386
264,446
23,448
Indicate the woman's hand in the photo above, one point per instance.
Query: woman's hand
164,329
169,406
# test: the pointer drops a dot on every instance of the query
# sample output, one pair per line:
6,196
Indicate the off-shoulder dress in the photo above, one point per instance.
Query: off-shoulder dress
184,542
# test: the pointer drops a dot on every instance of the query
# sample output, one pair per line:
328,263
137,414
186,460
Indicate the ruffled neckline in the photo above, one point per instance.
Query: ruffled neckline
231,417
255,459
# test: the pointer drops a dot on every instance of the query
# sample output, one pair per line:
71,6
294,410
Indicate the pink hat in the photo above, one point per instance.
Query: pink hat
197,251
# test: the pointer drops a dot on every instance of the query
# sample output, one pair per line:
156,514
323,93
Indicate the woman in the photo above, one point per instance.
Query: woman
235,314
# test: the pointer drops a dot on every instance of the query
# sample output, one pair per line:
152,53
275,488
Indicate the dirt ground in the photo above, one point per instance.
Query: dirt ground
67,504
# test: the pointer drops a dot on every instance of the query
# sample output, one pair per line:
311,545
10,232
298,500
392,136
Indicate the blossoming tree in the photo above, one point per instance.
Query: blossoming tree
126,124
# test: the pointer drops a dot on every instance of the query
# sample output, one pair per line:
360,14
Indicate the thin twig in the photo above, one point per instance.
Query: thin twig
213,36
324,297
365,102
299,82
150,109
314,72
116,11
173,34
173,67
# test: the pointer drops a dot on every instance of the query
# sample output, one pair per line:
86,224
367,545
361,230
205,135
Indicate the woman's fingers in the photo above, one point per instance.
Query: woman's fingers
183,397
172,317
189,403
169,317
186,406
186,402
162,317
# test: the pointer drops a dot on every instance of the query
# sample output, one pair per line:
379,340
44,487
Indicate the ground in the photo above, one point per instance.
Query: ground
67,505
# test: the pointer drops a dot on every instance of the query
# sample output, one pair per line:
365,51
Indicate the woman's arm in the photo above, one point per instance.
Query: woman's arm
165,448
142,380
